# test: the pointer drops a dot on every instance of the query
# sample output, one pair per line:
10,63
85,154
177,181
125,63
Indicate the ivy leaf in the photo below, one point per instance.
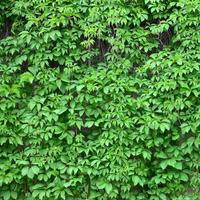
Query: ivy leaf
178,165
30,173
184,177
35,169
13,194
25,171
136,180
26,77
6,195
89,124
108,188
60,110
80,87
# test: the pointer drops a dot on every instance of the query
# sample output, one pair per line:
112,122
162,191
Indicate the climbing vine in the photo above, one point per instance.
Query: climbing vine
99,99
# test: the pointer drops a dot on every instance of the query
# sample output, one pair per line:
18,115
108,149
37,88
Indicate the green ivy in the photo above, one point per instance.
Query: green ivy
100,99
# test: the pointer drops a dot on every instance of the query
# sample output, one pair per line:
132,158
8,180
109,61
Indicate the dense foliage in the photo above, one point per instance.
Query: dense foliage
100,99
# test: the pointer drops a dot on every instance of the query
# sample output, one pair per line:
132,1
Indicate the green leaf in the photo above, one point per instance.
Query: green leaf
13,194
163,164
25,171
26,77
163,196
178,165
108,188
184,177
6,195
60,110
30,173
89,124
136,180
35,169
80,87
58,83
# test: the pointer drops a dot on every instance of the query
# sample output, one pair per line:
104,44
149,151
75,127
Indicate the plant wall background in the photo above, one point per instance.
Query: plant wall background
99,99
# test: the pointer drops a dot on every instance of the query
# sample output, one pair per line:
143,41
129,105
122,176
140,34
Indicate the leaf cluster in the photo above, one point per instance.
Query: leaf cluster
100,99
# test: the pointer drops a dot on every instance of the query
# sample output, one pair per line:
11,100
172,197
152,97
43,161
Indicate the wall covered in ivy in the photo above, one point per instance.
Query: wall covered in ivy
100,99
